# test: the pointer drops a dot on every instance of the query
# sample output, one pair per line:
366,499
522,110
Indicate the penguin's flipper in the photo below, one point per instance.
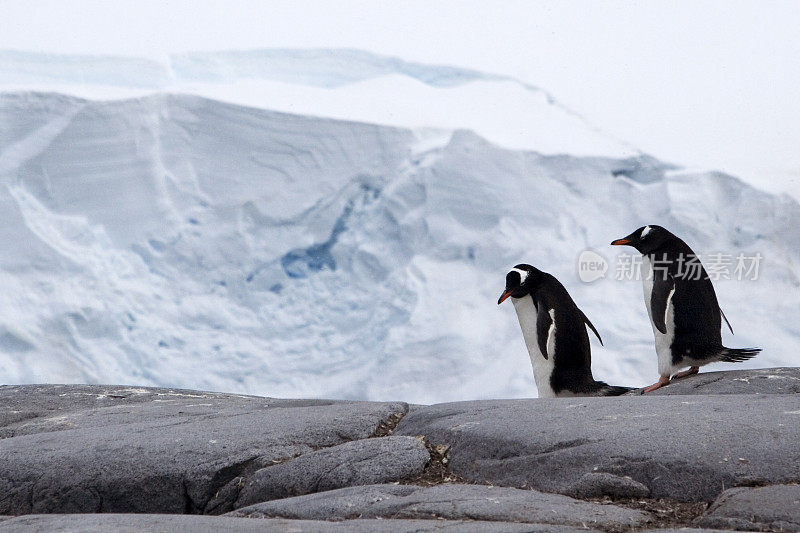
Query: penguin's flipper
663,289
544,329
591,326
726,321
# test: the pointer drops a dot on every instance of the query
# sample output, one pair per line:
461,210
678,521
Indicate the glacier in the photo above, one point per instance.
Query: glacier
177,240
332,83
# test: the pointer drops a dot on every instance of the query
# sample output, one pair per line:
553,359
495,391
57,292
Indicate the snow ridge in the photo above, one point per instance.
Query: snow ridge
248,77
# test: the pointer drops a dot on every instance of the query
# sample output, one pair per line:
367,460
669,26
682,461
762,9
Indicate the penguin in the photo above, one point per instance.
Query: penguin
682,305
555,334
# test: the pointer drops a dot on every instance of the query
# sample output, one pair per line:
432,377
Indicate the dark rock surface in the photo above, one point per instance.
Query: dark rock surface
136,523
685,448
773,508
361,462
113,449
752,381
450,501
598,485
127,449
685,530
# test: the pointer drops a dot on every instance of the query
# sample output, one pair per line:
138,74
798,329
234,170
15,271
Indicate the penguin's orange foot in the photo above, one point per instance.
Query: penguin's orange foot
683,374
663,380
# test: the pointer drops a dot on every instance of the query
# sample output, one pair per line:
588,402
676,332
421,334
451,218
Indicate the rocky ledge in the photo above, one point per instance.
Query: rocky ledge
716,450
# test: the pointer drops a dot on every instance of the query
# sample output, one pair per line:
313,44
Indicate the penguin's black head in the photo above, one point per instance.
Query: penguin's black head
646,239
520,281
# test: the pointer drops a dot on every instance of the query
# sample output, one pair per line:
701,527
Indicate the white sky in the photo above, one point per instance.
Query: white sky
702,83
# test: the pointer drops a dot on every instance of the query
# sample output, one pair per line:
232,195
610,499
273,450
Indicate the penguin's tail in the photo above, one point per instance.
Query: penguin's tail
613,390
737,355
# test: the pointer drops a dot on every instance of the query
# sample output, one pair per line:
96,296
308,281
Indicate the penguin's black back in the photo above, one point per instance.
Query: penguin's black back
572,359
697,314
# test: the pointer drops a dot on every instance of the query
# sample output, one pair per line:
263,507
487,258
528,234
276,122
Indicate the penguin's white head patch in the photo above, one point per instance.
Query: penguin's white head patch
645,231
515,279
523,274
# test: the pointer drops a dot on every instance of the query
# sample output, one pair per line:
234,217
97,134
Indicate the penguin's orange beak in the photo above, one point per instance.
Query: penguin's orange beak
505,296
620,242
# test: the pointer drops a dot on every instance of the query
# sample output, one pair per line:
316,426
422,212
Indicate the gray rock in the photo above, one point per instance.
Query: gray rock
122,449
453,502
361,462
750,381
686,530
136,523
224,499
597,485
770,508
686,448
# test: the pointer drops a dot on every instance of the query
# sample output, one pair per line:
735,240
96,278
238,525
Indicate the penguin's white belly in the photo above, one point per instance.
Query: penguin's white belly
542,368
663,340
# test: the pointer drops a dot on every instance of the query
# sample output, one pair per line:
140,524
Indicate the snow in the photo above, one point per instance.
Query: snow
170,239
343,84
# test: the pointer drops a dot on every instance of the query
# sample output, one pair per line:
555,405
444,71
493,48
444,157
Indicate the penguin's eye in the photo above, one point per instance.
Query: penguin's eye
513,279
